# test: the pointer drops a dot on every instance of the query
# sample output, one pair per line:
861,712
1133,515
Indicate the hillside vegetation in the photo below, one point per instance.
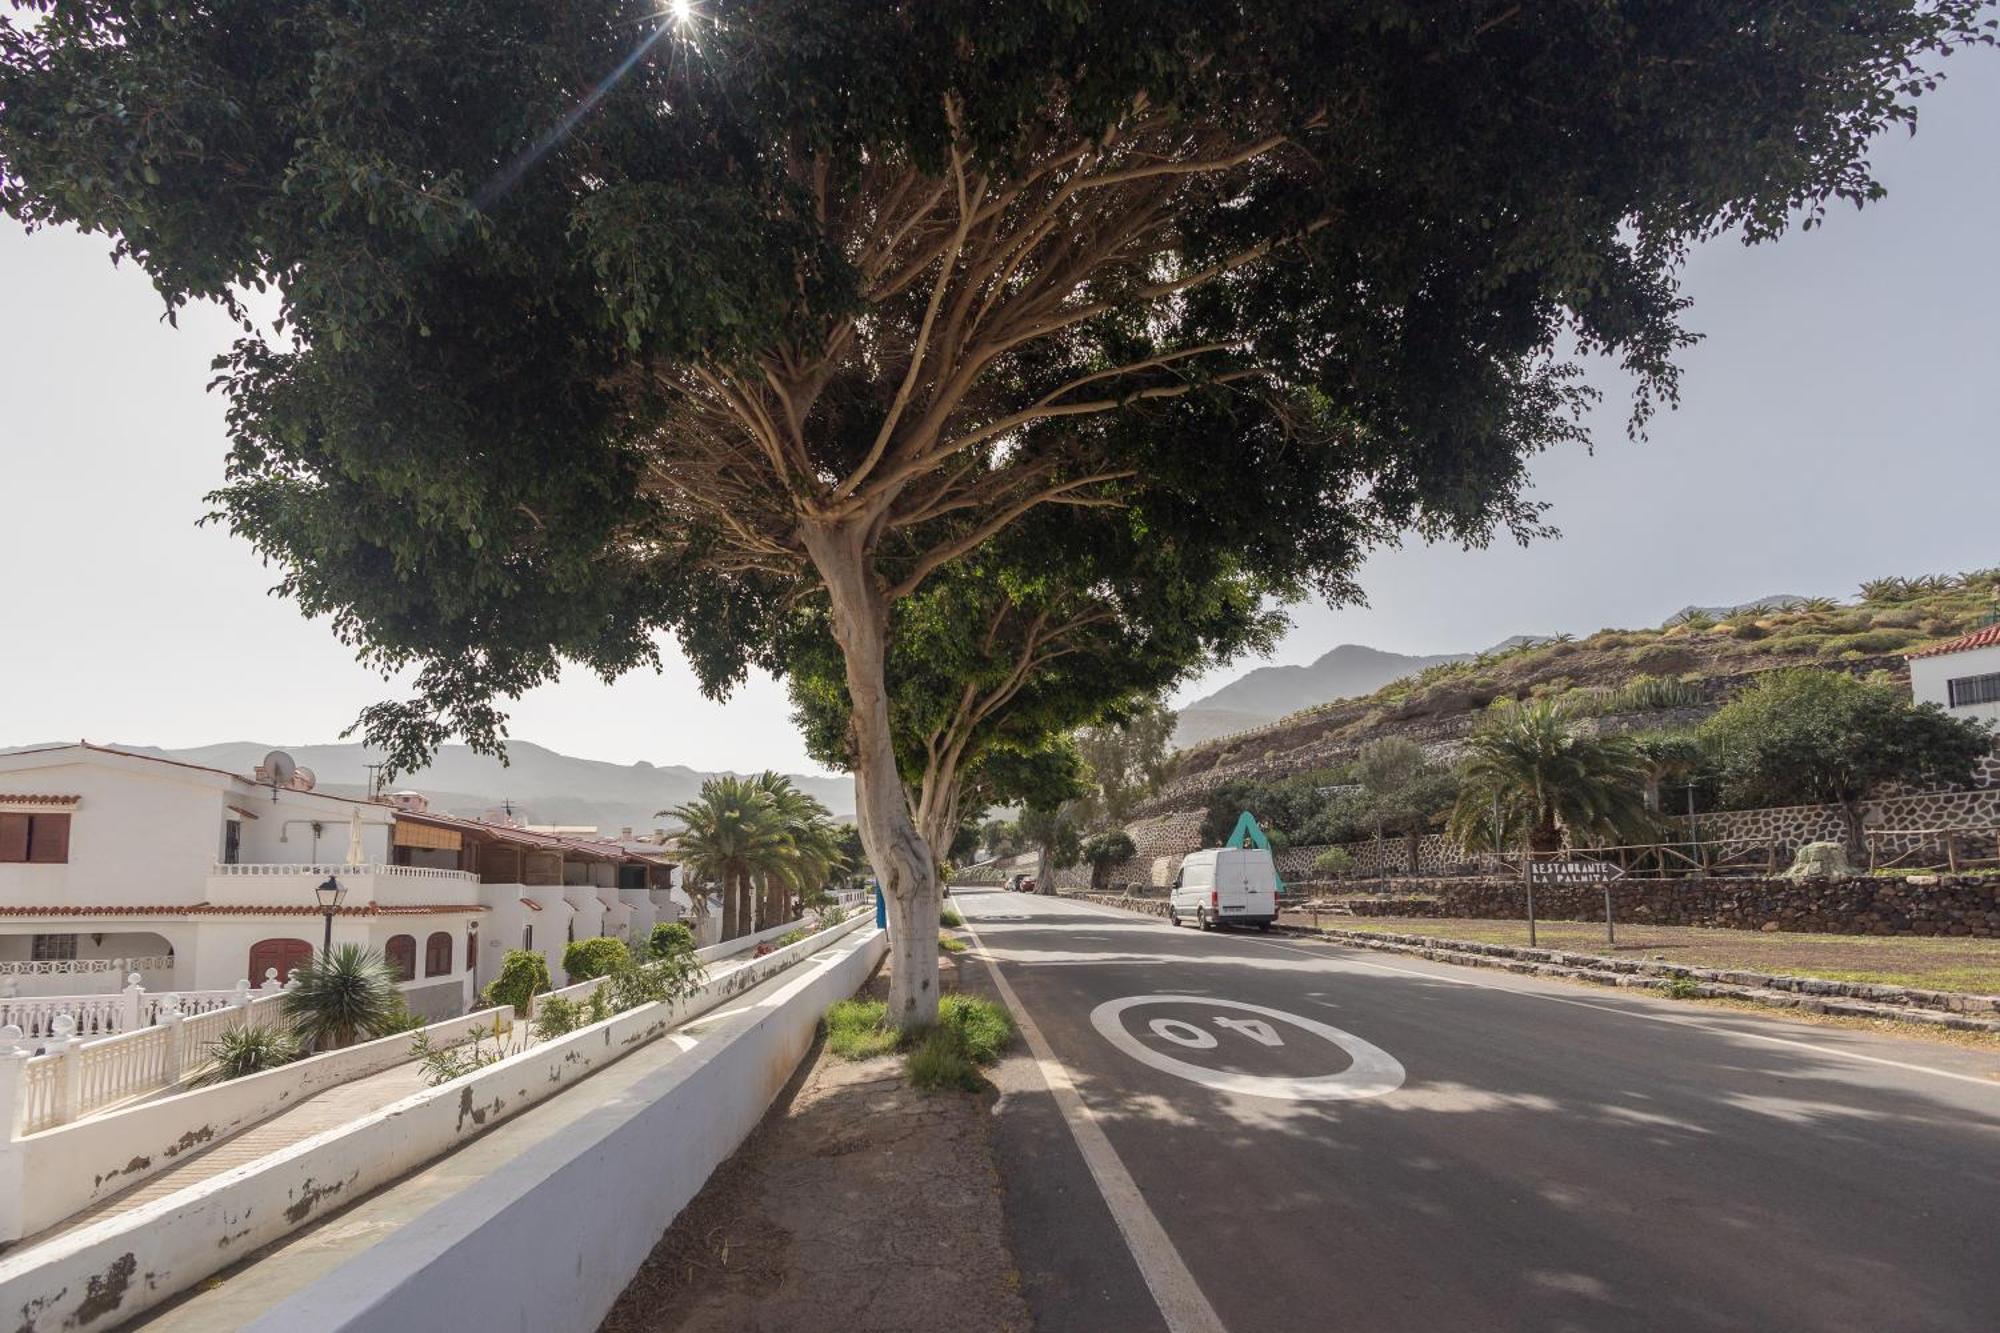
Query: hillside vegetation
1694,661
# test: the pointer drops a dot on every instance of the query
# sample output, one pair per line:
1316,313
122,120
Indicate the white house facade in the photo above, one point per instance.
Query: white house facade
1961,675
196,878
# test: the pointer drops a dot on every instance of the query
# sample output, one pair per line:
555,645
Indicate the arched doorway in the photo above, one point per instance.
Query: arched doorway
437,954
401,953
284,955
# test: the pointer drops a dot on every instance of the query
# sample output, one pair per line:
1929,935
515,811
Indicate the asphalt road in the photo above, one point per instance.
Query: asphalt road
1467,1149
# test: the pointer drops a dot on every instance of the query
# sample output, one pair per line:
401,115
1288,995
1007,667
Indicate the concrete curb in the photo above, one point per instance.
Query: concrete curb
1953,1010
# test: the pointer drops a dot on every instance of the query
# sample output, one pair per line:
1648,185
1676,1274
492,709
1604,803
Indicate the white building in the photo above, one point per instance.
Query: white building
196,878
1962,675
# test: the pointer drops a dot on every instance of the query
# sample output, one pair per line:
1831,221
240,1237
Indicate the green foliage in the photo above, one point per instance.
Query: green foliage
556,1016
1809,736
949,917
1129,761
339,997
1641,694
1334,861
832,915
791,937
1678,987
524,974
247,1050
442,1064
600,956
401,1018
669,939
1546,777
969,1033
1104,850
664,981
952,944
855,1029
1868,642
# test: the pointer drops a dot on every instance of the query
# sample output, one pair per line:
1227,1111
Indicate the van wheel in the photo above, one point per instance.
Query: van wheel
1201,918
1173,918
1264,926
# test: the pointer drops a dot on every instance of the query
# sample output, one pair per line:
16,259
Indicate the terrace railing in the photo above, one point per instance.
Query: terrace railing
1949,850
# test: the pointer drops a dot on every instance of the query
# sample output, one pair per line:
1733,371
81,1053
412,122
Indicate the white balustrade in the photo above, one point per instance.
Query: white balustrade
269,869
74,1077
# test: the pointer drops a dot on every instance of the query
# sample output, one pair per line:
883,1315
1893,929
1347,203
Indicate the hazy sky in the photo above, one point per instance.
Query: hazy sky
1839,422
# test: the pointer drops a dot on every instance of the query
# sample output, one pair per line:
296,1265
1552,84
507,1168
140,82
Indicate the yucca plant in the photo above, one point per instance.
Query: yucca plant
247,1050
341,995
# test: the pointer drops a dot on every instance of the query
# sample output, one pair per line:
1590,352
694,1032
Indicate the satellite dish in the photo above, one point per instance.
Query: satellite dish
279,769
304,779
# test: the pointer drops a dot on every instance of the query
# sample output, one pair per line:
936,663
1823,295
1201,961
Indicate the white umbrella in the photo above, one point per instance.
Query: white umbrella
356,855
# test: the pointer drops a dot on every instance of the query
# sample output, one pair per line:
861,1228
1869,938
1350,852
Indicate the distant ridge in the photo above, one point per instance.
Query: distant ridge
1269,693
542,785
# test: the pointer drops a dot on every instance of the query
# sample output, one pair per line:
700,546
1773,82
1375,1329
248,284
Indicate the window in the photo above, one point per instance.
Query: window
53,948
401,951
1974,690
527,937
40,838
437,954
232,841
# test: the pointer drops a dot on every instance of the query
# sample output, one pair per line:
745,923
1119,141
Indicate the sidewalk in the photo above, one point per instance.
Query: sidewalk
858,1203
323,1111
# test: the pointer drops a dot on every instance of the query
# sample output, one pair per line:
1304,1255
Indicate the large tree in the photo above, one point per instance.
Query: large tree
597,323
1805,735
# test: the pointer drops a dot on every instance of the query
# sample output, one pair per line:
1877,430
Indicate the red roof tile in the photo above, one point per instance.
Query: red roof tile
24,798
1989,637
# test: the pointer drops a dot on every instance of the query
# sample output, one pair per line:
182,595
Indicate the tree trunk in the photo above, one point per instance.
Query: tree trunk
896,850
729,905
1850,813
1044,867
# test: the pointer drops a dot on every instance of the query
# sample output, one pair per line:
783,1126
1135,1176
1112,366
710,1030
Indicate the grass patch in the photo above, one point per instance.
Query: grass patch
854,1030
969,1033
950,917
952,944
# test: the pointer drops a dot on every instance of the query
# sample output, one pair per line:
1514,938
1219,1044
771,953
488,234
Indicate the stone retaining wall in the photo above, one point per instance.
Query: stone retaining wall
1863,905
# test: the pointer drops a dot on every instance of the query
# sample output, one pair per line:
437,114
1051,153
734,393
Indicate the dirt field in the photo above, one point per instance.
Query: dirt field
1939,964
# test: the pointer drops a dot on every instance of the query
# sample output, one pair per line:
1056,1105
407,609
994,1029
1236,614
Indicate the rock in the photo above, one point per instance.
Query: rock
1821,860
1769,927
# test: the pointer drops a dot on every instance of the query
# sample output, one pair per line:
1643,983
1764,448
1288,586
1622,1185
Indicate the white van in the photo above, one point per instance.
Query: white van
1226,886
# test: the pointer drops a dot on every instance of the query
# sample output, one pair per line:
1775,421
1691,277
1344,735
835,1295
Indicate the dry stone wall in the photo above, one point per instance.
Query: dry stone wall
1863,905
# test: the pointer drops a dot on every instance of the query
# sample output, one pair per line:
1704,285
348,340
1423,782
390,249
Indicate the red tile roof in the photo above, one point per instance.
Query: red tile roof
215,909
22,798
1989,637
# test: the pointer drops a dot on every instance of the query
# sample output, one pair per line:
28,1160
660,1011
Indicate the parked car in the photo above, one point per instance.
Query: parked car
1226,886
1028,885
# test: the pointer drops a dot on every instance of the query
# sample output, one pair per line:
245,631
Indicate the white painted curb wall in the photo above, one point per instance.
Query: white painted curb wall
114,1269
546,1244
62,1171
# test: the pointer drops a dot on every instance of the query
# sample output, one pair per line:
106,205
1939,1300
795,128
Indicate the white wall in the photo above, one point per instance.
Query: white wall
1929,677
135,837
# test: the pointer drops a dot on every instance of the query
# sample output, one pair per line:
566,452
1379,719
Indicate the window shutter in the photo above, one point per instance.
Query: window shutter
13,837
48,839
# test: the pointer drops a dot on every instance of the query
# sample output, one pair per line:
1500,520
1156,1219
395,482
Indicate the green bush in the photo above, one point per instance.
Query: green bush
401,1018
791,937
952,944
596,957
524,974
669,938
1870,642
665,981
1334,861
854,1029
950,917
556,1016
341,997
247,1050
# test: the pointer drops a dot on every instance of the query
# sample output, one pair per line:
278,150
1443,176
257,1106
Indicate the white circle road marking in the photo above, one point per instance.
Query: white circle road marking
1374,1072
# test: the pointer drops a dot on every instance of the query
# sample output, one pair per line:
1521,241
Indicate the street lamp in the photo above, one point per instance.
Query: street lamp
330,893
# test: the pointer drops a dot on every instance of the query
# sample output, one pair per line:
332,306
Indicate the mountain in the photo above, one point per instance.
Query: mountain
1269,693
542,786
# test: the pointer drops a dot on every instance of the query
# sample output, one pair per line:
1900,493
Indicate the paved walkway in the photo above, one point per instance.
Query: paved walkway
322,1111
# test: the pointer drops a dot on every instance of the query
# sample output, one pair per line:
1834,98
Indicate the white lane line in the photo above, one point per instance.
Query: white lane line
1672,1020
1174,1289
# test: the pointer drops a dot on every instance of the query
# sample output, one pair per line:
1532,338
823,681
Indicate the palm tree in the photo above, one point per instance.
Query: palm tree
733,834
812,844
340,995
1546,777
1668,756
